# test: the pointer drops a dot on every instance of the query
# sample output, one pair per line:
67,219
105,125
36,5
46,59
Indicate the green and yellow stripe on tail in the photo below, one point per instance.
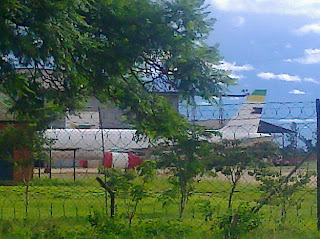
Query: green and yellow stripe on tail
258,96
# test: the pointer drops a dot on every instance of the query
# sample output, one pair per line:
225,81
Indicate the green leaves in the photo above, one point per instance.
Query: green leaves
238,221
131,185
117,51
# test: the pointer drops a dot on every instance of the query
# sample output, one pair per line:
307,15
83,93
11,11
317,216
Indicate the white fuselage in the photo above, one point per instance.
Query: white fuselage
90,144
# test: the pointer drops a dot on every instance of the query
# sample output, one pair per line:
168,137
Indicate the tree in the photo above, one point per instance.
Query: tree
233,160
183,158
119,51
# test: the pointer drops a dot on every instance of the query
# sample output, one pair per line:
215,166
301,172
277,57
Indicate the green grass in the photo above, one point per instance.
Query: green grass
59,208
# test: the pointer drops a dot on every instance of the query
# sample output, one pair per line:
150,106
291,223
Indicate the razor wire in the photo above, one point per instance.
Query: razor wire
64,183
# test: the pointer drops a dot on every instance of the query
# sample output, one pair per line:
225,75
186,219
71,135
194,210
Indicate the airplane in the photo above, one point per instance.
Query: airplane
244,125
119,148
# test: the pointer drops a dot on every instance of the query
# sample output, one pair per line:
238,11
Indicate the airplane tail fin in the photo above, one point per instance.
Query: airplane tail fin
257,96
246,122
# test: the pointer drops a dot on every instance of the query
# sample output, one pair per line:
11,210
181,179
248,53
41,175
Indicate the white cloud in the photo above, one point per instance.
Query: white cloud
310,8
234,67
297,92
238,21
282,77
286,77
267,75
297,120
289,60
292,121
311,80
236,76
311,28
311,56
288,45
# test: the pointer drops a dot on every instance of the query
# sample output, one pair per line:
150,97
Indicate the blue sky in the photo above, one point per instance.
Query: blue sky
270,44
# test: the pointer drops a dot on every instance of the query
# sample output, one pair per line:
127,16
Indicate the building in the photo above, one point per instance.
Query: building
16,164
106,116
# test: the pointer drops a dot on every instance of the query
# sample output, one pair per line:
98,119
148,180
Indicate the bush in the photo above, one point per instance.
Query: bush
238,221
150,228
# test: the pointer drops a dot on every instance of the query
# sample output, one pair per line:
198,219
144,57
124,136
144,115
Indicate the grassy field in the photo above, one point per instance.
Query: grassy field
63,208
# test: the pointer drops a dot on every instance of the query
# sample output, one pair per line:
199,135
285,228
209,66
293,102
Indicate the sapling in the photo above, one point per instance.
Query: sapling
131,185
233,160
285,195
138,188
184,158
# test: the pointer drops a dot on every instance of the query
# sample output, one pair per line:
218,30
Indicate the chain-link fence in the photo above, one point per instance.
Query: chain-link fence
65,185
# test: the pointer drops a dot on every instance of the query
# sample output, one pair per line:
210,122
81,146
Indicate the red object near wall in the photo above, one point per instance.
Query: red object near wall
47,169
107,160
83,163
23,173
126,160
134,161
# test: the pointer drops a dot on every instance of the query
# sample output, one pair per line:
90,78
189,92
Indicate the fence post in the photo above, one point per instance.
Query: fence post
318,162
101,129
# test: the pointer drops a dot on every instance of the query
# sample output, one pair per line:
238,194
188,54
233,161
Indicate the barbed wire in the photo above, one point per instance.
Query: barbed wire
64,185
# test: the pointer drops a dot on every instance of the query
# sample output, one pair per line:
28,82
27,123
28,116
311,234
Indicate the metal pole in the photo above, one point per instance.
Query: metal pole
74,165
102,135
318,162
103,153
193,110
50,164
221,112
